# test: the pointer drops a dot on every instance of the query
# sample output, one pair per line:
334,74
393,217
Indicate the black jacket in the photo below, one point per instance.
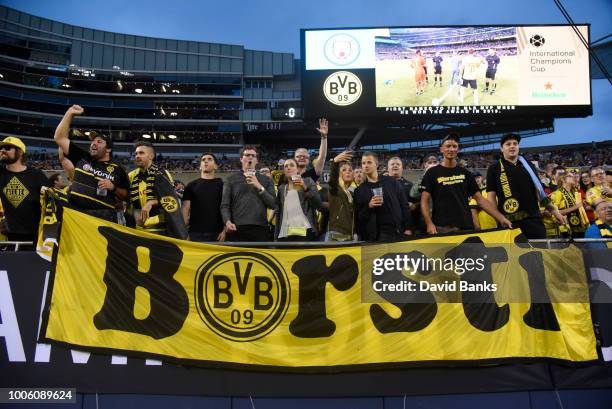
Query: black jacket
393,195
310,201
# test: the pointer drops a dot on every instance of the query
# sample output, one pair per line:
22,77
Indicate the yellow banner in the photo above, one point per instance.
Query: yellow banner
127,290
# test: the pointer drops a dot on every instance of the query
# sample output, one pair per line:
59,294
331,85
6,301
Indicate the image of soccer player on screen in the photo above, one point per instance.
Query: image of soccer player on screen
492,62
437,60
418,64
469,71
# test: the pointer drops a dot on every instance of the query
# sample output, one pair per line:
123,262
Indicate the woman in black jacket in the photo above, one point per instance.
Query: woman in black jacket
296,202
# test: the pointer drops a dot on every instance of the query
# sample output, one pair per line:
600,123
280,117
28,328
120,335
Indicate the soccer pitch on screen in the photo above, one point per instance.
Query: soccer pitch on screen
396,86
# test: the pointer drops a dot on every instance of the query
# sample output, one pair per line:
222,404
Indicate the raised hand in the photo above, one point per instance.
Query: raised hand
323,128
75,110
345,156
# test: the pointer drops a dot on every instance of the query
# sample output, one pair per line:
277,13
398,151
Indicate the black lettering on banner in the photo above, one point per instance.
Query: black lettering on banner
333,88
416,315
169,302
263,291
352,87
222,290
242,283
342,83
480,307
541,315
313,273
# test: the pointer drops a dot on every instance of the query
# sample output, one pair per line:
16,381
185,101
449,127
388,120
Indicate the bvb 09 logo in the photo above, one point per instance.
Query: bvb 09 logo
169,204
342,88
242,296
511,205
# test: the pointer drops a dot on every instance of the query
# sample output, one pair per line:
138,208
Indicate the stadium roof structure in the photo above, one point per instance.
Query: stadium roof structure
603,49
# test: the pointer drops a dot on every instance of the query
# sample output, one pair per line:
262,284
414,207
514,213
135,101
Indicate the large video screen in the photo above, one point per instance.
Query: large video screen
446,72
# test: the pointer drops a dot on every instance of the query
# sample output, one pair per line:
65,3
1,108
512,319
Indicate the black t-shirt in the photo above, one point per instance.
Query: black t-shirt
384,213
20,195
84,189
310,173
450,190
205,197
521,187
437,61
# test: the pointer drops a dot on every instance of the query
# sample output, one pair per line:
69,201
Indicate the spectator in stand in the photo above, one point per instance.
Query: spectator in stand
557,173
19,192
602,228
145,206
380,210
450,187
265,171
482,220
58,181
569,202
302,157
513,187
395,167
246,196
179,188
357,176
341,214
100,182
585,185
601,190
550,186
203,195
296,202
415,194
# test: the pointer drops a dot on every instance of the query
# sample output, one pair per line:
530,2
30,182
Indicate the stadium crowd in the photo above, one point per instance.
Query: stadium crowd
563,193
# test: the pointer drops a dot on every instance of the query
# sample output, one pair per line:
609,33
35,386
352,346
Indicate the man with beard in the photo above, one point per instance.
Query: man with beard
99,182
19,191
147,211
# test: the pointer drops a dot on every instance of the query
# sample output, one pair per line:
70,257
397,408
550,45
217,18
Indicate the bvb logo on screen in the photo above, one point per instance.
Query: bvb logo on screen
242,296
342,88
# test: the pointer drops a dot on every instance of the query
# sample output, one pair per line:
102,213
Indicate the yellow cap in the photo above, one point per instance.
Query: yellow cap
13,141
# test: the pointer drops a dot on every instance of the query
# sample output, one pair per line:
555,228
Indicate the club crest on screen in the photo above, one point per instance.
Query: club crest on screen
342,49
342,88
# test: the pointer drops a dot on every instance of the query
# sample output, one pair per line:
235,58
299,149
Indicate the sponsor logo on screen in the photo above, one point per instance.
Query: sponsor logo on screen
342,88
341,49
537,40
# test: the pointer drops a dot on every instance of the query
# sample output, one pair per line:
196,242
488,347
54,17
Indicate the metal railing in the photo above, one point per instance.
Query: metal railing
18,245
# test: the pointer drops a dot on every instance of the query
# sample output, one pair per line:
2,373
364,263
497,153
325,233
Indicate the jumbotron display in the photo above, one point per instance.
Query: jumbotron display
446,72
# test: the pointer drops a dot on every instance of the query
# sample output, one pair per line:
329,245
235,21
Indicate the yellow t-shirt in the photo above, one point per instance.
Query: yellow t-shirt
594,195
485,219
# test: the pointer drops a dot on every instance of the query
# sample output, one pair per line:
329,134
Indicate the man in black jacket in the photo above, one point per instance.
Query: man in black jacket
380,210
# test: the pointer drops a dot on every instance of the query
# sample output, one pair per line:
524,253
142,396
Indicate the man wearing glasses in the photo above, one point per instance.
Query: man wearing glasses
19,191
601,191
246,197
302,157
